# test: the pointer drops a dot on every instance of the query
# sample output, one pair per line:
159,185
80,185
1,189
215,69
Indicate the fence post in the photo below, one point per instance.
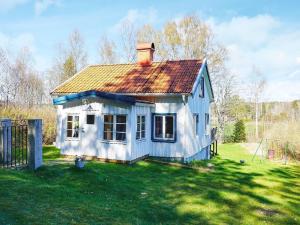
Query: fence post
5,141
35,150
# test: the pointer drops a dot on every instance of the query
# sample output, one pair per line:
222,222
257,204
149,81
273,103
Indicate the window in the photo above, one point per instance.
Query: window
90,119
207,123
121,127
108,127
164,128
140,127
196,123
201,90
73,126
114,127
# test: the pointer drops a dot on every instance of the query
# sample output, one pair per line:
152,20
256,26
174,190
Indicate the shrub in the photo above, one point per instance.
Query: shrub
239,134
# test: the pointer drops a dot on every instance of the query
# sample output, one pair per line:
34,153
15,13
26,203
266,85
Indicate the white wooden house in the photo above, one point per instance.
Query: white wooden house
125,112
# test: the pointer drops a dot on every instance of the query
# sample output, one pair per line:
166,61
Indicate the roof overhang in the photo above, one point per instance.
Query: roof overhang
96,94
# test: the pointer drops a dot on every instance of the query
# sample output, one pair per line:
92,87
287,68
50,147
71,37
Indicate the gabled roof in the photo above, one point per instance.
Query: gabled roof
174,77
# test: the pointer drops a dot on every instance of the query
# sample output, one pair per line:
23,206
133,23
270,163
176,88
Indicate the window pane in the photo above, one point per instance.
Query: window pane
108,127
121,119
121,127
90,119
76,118
143,119
120,136
69,125
76,132
158,126
69,133
169,132
143,125
70,118
143,134
108,118
108,135
137,135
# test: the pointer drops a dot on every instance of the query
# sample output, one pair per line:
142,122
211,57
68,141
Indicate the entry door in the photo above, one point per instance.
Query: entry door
89,135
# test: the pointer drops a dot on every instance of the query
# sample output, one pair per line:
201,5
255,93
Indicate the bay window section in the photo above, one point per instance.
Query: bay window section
164,127
114,127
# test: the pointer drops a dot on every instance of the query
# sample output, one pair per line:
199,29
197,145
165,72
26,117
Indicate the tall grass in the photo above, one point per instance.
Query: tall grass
45,112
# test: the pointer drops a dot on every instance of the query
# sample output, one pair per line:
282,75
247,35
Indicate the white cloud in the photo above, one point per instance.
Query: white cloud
42,5
6,5
137,17
265,42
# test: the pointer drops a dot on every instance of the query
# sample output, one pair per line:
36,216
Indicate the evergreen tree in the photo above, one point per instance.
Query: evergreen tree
239,134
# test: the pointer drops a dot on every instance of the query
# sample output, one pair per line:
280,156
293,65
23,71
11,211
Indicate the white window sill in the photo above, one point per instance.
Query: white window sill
113,142
141,140
72,139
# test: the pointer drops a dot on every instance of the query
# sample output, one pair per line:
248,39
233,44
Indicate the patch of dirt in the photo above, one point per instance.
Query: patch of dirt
268,212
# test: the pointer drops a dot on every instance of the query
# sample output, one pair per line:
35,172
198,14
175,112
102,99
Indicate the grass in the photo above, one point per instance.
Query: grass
150,193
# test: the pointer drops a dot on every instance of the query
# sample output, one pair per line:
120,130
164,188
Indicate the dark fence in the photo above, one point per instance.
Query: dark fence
14,144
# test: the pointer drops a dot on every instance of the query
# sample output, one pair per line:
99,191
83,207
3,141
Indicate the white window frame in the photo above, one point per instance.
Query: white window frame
73,127
164,138
138,134
206,122
196,123
114,130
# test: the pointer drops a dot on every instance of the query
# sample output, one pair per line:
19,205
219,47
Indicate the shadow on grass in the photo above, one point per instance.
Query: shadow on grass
144,193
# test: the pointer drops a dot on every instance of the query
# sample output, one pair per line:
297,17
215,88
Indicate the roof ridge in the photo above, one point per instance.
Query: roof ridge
157,62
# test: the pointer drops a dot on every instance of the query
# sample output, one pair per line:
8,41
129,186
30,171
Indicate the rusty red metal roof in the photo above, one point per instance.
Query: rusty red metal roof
175,77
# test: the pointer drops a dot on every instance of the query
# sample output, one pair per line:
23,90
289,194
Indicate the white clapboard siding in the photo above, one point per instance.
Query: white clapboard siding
200,106
93,145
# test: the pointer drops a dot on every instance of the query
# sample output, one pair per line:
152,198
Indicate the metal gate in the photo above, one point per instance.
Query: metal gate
14,144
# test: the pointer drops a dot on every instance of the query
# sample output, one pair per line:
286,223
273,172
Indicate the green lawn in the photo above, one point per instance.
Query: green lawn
150,193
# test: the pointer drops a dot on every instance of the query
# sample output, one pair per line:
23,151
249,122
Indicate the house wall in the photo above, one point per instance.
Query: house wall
165,149
93,145
197,143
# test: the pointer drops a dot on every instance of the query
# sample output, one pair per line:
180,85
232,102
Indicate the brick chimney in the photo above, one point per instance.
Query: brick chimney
145,53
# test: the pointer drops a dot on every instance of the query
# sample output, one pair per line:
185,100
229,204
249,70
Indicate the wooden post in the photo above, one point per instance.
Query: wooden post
5,141
35,148
216,147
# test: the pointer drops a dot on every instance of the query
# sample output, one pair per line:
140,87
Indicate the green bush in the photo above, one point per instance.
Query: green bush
239,134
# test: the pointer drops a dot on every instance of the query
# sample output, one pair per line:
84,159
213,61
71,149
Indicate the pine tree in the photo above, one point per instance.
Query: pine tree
239,134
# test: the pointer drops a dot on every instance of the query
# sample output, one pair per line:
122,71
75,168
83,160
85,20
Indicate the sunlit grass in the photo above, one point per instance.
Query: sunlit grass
258,192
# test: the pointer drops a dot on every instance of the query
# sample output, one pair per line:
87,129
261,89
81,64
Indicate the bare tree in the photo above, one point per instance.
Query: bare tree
70,58
107,51
128,34
256,88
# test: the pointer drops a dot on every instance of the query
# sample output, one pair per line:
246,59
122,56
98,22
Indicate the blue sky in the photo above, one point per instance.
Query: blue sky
260,33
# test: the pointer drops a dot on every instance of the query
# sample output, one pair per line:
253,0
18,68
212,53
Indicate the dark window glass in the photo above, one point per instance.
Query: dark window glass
169,124
108,127
121,119
108,135
158,126
120,136
120,127
108,118
90,119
